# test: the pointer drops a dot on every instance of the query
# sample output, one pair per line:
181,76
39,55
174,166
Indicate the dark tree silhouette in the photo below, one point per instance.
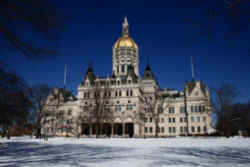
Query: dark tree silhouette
39,94
234,14
101,111
15,102
223,98
17,17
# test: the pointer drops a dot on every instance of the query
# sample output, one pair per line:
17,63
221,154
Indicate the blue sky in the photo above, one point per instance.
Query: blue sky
167,32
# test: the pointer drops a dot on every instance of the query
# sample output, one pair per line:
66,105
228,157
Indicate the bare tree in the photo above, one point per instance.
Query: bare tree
76,125
235,14
39,94
39,16
222,100
101,110
154,108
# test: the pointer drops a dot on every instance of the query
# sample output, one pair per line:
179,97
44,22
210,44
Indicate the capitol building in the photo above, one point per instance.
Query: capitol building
126,104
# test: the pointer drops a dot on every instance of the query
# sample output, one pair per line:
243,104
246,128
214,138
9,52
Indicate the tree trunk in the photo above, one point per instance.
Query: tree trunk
156,128
97,131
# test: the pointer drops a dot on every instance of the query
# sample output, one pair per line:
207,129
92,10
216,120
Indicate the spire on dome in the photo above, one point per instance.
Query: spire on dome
125,27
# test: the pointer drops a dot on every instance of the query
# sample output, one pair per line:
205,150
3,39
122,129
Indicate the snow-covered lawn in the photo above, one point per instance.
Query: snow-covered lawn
177,152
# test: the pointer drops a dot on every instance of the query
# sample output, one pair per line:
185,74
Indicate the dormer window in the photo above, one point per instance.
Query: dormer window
129,81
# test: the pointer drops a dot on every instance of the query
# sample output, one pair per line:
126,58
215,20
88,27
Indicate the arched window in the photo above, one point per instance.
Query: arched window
131,93
117,69
123,68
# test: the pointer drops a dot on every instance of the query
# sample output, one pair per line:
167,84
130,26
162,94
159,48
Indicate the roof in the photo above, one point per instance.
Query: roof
191,85
125,41
148,74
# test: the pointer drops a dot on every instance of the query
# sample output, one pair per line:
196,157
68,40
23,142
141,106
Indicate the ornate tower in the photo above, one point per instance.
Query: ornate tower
125,53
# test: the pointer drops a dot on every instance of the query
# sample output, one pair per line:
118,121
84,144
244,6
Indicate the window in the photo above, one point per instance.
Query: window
196,108
174,130
171,110
182,110
170,130
131,93
146,129
160,109
116,94
120,93
151,130
150,119
127,93
197,93
185,129
169,120
198,129
123,68
192,119
158,129
173,120
198,119
181,129
192,108
85,108
200,108
69,130
86,95
205,129
193,129
117,67
162,129
118,108
204,119
162,120
69,112
181,120
203,108
129,107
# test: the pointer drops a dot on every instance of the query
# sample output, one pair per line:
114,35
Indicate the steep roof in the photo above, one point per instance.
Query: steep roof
148,74
90,75
190,85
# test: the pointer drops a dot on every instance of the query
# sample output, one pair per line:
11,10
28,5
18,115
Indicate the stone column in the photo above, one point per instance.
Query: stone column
90,130
112,130
123,130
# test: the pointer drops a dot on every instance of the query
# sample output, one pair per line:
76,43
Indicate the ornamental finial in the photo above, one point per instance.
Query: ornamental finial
125,26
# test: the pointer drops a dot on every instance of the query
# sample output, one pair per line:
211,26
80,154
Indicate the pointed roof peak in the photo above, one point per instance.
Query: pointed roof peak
148,74
125,27
125,20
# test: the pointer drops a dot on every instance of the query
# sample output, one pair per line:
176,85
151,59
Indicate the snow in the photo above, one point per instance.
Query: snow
89,152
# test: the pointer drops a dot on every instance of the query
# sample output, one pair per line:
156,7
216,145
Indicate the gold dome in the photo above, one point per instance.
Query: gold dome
125,41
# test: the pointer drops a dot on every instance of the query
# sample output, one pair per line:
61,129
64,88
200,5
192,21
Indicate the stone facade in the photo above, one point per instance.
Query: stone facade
128,105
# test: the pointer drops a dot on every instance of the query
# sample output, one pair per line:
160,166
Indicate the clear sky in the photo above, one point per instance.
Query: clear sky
165,31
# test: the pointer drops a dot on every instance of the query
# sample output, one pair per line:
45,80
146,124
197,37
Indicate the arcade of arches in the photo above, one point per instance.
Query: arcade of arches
108,129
